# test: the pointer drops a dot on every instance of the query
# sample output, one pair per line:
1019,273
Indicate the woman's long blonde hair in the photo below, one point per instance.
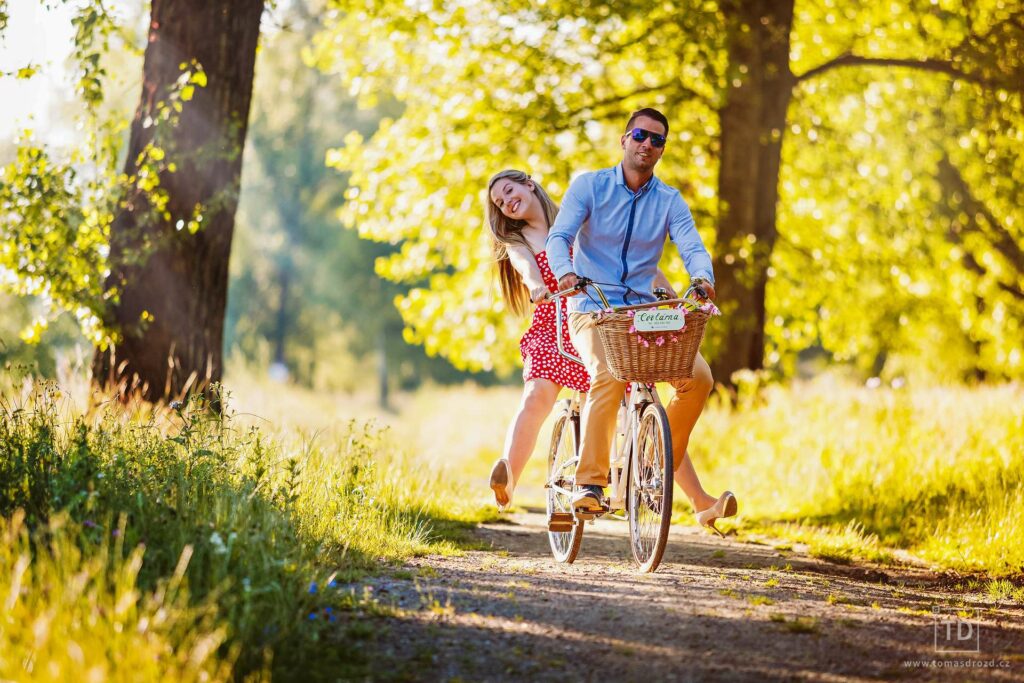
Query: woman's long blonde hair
506,232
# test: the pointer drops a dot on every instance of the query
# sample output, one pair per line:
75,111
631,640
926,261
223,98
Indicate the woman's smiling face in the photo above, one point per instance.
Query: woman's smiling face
514,200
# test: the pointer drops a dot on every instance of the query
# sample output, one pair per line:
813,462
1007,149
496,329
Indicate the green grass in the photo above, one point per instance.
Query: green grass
231,545
852,471
73,611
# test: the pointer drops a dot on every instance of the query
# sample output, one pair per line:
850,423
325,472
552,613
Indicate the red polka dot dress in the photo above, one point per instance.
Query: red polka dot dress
539,346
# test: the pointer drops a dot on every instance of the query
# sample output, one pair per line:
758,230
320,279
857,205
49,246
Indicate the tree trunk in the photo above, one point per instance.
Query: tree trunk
172,284
753,123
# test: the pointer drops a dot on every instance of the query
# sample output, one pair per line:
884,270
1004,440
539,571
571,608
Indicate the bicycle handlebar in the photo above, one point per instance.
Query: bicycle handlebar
584,282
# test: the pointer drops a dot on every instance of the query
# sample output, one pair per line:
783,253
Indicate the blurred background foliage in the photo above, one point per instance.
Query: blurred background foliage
899,224
304,298
900,248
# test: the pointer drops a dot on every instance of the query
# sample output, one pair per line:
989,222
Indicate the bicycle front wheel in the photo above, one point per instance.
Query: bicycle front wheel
649,497
562,460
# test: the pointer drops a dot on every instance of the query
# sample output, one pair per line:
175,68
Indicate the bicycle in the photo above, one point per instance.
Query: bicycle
641,467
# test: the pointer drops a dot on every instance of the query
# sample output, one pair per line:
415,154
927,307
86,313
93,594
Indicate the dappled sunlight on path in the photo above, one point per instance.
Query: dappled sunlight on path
716,609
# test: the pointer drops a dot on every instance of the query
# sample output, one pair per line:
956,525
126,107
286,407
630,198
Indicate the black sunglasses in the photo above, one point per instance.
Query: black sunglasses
639,134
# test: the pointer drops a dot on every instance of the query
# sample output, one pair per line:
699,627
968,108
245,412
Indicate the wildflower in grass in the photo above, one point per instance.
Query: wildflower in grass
89,524
333,583
312,616
218,544
312,588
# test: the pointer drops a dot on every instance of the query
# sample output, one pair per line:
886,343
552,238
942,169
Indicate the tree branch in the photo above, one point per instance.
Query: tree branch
934,65
972,264
1002,239
617,99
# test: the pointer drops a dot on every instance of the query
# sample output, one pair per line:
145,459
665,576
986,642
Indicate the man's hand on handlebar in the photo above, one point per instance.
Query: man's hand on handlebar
703,287
568,281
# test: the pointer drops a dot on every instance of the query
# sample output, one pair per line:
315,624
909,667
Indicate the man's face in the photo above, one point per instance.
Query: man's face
642,156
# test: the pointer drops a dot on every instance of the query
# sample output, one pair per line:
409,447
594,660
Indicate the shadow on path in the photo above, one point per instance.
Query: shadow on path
716,610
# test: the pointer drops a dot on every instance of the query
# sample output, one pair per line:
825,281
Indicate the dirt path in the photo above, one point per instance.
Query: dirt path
716,610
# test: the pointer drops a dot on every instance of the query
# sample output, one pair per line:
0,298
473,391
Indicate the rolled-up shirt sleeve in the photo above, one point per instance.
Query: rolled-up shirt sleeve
688,242
574,211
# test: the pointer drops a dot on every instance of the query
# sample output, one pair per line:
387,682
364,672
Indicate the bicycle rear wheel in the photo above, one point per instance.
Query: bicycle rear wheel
649,497
562,460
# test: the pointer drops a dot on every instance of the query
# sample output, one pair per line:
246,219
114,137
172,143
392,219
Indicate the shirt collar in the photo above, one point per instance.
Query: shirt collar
620,179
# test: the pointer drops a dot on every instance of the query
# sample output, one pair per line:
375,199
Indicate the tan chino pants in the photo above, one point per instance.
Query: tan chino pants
602,404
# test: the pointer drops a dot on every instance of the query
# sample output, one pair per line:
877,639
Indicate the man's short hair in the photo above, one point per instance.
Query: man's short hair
649,113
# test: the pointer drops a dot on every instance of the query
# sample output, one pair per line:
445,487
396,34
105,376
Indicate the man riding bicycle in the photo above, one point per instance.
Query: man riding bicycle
618,219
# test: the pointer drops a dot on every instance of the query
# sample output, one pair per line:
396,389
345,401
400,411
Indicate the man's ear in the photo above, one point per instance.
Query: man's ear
622,141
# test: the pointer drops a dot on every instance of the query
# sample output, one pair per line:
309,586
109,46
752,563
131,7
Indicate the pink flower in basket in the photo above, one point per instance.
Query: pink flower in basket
710,309
631,314
644,342
632,329
660,341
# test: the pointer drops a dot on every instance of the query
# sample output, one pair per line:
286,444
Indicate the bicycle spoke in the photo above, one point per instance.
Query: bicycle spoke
650,491
562,460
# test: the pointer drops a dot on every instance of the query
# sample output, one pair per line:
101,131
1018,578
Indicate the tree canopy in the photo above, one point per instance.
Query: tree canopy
899,235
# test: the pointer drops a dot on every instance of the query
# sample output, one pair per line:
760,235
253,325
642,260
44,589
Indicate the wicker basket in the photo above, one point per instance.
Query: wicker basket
631,361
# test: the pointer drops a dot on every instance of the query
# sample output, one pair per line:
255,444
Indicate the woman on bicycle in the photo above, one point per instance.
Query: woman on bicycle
520,213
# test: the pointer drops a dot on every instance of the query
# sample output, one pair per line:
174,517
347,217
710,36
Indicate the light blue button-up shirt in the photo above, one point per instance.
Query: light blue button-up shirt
623,238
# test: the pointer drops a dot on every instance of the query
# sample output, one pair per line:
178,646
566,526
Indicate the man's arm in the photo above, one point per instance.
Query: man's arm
574,211
687,240
523,261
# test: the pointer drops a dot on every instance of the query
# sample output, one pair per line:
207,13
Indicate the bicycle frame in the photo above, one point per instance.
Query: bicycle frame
640,468
636,397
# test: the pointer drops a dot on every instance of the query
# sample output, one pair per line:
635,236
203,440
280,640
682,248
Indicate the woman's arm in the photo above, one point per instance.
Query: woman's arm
524,262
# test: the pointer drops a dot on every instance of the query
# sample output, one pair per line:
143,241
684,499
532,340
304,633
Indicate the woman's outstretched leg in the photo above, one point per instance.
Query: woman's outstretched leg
538,398
689,482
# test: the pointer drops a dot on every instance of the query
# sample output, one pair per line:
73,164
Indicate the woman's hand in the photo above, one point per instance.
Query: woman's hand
538,294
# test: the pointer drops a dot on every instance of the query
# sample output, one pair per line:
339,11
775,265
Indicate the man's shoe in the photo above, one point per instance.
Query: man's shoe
589,500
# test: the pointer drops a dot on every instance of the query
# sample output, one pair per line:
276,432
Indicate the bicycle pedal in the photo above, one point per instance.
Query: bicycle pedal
590,515
561,521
